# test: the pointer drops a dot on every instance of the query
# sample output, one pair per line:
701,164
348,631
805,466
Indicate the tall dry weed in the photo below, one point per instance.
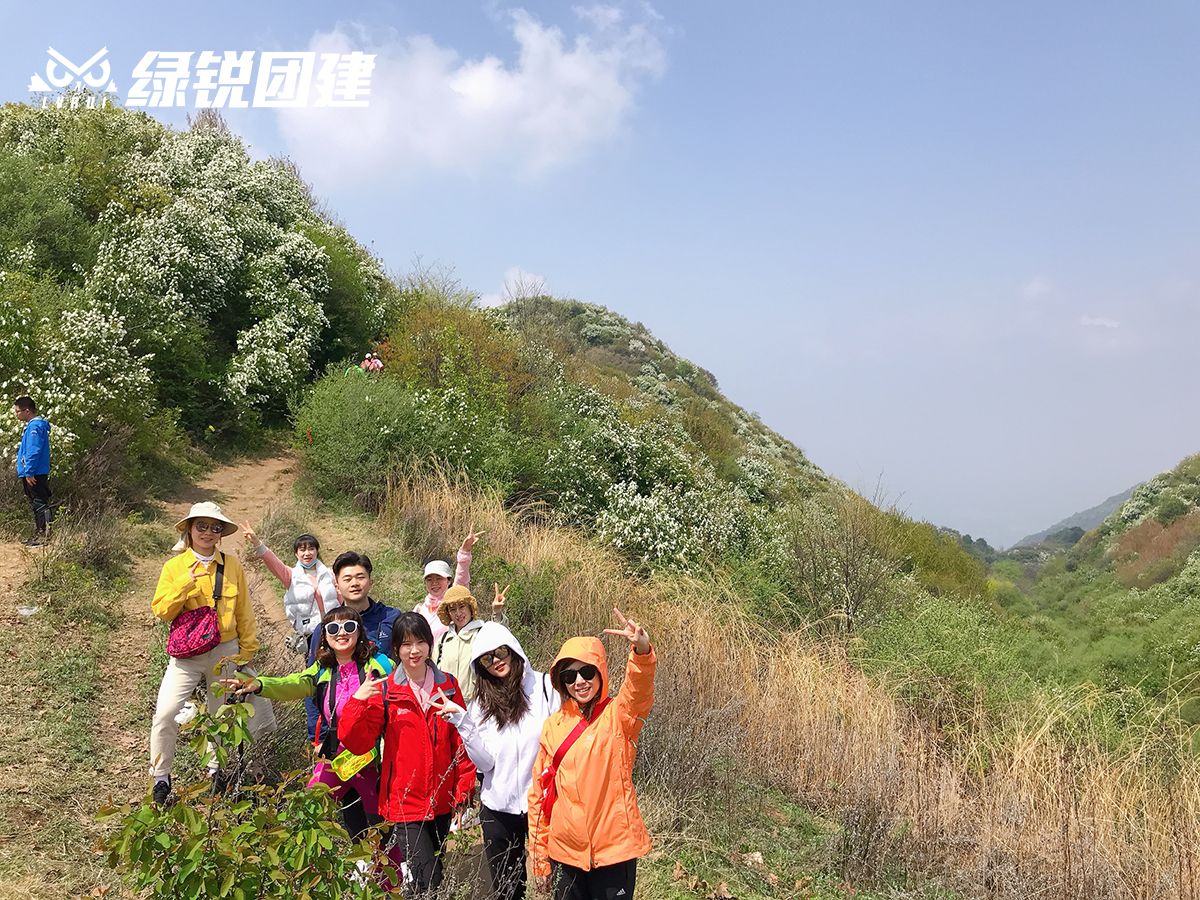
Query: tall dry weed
1035,805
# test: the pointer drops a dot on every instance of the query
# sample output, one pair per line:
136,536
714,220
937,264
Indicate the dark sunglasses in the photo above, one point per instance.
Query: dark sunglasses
333,629
214,527
567,676
487,659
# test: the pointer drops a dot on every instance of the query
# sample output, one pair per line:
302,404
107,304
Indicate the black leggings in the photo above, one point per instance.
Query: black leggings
613,882
354,816
422,844
504,845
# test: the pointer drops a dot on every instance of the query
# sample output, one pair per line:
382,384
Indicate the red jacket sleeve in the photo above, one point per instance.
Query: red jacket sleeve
361,723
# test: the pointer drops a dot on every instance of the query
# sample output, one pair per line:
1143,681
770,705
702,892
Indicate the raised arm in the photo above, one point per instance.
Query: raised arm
636,697
462,567
273,563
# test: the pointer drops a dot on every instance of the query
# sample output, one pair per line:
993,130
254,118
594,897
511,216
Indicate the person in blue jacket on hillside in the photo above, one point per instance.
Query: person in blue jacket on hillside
352,577
33,466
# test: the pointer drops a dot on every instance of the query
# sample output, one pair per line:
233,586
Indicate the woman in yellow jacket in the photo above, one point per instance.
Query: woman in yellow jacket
584,824
188,581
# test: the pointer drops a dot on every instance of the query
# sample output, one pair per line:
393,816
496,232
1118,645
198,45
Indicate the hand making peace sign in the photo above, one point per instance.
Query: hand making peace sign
471,538
500,598
369,688
632,632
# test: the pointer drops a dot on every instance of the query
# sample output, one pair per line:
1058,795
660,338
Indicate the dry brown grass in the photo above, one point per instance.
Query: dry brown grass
1034,809
1151,553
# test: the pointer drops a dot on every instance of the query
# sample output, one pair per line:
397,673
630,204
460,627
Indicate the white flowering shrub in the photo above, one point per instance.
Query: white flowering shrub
223,284
79,369
644,526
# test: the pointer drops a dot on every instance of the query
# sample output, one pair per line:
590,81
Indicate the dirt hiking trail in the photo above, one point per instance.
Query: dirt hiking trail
247,489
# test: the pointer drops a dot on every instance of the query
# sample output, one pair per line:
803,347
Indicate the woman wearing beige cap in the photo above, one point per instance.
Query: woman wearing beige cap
200,577
459,612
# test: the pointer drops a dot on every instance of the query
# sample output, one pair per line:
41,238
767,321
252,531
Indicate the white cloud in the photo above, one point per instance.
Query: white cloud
1099,321
1036,289
517,283
431,109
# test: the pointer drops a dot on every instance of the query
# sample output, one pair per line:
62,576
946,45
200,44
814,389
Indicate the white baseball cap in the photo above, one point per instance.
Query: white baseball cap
438,567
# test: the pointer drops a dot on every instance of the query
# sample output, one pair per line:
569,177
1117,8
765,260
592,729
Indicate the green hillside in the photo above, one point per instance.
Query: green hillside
1119,607
159,285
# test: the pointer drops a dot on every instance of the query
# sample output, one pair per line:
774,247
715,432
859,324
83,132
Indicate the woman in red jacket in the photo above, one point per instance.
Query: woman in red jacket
426,776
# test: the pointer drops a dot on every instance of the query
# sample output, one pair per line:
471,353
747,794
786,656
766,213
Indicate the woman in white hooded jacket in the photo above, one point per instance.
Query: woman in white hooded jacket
502,729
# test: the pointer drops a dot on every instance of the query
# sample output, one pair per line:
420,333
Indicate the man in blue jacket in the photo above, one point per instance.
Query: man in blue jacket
352,578
33,466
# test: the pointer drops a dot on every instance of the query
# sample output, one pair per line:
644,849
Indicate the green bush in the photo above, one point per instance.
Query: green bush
280,841
353,430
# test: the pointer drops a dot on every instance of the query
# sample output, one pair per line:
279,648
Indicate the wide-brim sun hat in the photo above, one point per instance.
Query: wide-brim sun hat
207,510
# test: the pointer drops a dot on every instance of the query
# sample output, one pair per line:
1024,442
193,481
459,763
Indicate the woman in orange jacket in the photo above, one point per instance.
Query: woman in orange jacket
584,824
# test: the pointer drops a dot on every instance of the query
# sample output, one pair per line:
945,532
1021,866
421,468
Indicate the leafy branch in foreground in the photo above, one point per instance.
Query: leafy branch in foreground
259,841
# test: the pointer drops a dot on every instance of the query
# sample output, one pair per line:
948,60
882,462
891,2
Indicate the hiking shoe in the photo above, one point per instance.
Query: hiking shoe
35,541
162,790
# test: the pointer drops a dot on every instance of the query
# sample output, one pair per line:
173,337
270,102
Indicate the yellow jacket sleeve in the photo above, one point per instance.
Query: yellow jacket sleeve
243,617
176,590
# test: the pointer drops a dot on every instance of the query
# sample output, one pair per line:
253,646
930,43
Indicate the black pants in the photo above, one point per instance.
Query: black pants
39,499
354,816
504,845
422,844
613,882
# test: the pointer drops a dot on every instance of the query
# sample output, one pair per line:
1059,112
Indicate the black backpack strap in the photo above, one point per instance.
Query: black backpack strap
218,582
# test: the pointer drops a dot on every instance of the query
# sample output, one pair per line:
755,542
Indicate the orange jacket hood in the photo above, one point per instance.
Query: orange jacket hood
585,650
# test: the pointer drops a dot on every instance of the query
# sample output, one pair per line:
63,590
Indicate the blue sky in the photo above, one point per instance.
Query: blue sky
952,249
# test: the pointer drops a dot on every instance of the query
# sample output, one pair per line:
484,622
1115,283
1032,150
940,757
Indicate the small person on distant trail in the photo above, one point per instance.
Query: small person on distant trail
309,589
459,611
345,659
584,824
502,729
352,576
33,467
201,576
426,776
437,581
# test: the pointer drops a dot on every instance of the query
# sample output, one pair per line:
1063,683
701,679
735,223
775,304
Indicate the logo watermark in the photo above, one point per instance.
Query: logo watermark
229,79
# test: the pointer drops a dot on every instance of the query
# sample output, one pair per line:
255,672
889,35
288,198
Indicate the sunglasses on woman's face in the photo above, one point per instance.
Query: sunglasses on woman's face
333,629
499,653
214,527
568,676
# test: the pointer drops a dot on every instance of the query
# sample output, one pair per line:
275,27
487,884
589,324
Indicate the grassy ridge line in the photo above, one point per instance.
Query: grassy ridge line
1032,804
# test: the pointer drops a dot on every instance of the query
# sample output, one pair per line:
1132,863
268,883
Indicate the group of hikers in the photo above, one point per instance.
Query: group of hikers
410,712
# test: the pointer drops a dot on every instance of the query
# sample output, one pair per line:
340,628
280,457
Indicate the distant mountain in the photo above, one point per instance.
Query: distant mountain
1087,520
